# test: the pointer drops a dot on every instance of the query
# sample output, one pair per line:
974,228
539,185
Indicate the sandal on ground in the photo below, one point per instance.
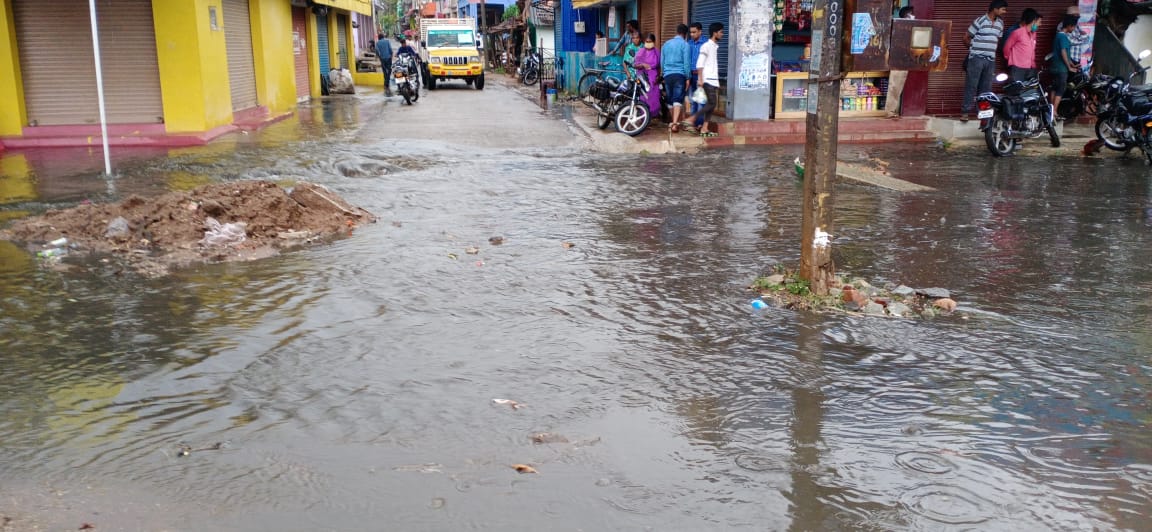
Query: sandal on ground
674,127
708,134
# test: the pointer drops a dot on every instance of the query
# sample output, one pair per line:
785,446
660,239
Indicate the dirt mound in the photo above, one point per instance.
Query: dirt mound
222,222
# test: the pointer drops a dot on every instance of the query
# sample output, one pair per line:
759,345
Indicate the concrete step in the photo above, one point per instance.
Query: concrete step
873,137
797,127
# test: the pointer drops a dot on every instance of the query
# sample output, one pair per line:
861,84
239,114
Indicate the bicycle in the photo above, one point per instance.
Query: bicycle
591,75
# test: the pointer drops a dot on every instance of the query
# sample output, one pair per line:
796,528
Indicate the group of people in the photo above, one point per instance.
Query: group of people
986,37
685,63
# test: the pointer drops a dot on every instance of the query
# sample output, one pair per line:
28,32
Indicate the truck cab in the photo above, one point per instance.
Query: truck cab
449,50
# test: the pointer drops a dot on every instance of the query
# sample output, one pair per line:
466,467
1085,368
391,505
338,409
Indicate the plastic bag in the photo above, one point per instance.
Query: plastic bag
340,82
118,229
699,96
219,234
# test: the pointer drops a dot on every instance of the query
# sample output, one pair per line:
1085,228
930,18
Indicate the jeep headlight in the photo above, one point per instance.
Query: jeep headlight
434,60
474,59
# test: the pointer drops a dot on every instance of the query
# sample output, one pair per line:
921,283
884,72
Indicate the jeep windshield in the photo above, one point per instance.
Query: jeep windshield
451,38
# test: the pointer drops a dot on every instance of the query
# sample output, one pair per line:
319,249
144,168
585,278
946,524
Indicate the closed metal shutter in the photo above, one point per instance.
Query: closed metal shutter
673,15
648,17
56,61
946,89
322,43
342,37
300,51
706,12
238,40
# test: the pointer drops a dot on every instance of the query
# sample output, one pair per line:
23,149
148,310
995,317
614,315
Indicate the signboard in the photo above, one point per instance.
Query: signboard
919,45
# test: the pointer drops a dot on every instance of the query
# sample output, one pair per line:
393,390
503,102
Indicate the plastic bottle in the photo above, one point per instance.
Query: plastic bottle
49,253
759,304
59,242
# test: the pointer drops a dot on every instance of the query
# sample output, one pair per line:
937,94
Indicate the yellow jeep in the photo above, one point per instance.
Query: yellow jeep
449,50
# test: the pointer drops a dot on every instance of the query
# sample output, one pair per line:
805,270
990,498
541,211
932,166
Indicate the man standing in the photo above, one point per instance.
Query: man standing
1061,64
1020,47
1080,42
630,27
384,53
896,78
708,76
696,39
674,60
981,38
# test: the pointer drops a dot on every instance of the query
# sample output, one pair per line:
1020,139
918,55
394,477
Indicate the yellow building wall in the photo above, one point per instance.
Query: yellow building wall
193,65
356,6
13,114
313,55
272,52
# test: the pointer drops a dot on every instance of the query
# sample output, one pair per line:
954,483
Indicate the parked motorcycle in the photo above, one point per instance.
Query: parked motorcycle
1082,95
530,70
1122,118
403,70
621,102
1022,112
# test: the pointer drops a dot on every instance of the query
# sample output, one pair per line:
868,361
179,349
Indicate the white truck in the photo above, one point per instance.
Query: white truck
449,51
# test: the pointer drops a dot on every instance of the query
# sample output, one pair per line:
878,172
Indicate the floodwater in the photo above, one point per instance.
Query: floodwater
353,384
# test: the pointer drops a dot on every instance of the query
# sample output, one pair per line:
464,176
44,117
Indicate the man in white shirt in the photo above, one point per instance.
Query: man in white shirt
708,76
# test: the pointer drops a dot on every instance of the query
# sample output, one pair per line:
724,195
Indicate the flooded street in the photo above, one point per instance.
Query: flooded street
352,384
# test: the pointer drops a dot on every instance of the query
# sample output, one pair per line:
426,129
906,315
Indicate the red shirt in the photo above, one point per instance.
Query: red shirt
1020,50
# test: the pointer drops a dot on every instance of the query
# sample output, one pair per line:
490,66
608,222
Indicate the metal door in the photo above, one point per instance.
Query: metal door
58,71
241,67
706,12
300,51
342,40
322,43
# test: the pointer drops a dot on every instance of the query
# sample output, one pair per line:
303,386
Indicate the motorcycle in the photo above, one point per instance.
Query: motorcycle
530,71
1083,95
1023,112
1121,122
402,71
621,102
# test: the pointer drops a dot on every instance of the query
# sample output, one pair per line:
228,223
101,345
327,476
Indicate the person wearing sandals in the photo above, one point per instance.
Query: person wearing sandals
708,76
647,63
674,58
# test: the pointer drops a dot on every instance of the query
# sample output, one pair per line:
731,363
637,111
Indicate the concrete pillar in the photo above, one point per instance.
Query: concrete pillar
750,59
13,114
193,65
272,54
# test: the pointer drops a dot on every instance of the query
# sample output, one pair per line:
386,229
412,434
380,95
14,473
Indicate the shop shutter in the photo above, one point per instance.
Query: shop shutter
672,16
648,16
342,39
322,43
238,40
300,51
946,89
706,12
56,62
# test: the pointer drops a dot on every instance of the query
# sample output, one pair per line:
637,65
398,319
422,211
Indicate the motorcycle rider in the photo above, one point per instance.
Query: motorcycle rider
405,48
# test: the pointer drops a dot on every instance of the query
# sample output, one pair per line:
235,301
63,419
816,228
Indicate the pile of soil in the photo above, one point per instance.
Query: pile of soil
169,230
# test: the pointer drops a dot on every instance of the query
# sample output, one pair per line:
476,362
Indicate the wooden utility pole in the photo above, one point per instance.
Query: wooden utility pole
820,151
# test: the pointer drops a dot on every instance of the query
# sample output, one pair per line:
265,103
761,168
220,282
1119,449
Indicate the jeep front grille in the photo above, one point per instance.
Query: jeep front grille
455,60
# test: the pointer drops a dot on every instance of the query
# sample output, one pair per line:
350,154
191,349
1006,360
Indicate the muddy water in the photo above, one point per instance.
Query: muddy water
353,384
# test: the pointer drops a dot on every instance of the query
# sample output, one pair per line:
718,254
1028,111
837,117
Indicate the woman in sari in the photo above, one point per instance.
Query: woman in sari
647,64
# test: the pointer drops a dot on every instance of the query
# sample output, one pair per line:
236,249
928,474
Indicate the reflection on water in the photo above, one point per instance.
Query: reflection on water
355,381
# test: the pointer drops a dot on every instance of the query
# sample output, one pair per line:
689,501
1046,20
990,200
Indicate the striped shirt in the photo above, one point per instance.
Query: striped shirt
985,34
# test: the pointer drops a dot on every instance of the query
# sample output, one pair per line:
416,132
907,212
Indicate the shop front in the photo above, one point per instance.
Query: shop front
862,94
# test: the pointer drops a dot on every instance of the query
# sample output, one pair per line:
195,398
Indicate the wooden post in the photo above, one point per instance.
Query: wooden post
820,151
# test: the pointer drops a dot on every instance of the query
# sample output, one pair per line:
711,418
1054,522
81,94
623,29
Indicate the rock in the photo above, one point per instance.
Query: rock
945,304
899,309
774,279
861,284
848,293
903,291
835,292
496,240
889,286
212,208
933,293
874,309
118,229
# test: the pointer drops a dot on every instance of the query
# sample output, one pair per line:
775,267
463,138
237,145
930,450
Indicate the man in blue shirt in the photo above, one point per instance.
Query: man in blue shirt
630,27
384,53
674,58
696,39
